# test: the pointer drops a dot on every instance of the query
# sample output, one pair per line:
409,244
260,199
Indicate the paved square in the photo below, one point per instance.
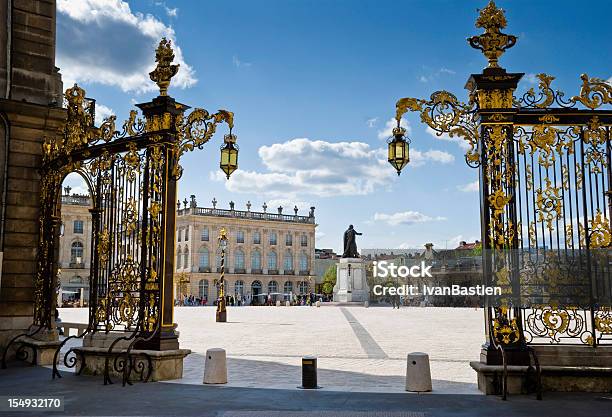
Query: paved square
359,349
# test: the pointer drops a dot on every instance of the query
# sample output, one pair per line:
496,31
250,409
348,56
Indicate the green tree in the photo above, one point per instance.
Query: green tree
329,279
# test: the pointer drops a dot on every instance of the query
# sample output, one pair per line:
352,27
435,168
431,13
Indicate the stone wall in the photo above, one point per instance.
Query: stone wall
28,114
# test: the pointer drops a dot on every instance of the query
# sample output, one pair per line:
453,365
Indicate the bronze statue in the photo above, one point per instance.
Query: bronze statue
350,246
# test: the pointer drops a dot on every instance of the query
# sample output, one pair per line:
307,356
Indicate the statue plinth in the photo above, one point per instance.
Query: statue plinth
351,284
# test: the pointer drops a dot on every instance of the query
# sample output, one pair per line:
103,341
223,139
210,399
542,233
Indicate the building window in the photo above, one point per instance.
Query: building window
180,232
288,239
239,259
288,287
304,240
256,287
272,287
76,253
303,262
187,234
255,260
303,287
76,280
239,288
204,259
203,289
205,235
272,260
240,236
288,262
179,258
186,258
256,238
272,238
78,227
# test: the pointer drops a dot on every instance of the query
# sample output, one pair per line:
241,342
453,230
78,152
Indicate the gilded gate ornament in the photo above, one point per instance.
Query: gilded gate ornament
493,43
594,92
165,70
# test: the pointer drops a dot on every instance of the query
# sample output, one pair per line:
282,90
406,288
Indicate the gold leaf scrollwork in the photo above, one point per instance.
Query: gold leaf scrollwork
594,92
103,245
599,236
505,329
549,204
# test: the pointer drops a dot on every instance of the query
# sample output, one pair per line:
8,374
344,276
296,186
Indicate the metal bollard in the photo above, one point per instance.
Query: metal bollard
309,372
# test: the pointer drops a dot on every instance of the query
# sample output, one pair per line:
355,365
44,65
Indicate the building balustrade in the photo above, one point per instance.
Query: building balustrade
204,211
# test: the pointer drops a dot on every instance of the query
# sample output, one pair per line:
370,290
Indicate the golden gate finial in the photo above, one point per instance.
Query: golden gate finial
493,43
165,70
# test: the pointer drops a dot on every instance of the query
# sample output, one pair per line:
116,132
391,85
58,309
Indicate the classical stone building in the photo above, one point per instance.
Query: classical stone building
267,252
30,109
75,248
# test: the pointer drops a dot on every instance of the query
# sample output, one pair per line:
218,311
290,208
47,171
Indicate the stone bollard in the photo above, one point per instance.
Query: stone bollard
309,373
418,374
215,367
318,303
366,304
287,304
278,303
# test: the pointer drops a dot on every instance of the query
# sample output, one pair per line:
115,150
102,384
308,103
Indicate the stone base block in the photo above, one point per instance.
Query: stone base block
37,352
165,364
554,378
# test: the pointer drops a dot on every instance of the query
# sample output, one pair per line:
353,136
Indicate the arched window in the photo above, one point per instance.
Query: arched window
204,258
288,239
303,287
205,234
179,258
256,287
239,288
78,227
272,287
76,280
303,262
255,260
239,259
203,288
272,264
304,240
288,261
288,287
76,252
186,258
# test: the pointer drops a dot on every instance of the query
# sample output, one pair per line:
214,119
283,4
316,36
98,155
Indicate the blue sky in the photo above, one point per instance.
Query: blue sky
313,85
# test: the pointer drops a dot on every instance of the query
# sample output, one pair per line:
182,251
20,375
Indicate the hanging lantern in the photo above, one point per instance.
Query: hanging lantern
229,155
399,149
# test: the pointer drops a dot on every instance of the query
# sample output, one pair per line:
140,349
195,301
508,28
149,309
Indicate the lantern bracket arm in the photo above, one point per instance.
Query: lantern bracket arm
195,130
445,114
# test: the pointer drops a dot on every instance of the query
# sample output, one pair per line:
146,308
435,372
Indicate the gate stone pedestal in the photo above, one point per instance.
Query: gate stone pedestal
563,368
165,364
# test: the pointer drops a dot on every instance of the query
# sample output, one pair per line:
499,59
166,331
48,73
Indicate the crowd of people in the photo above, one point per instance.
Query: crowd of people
261,300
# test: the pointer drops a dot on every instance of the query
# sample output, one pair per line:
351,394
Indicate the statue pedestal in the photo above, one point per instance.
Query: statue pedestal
351,284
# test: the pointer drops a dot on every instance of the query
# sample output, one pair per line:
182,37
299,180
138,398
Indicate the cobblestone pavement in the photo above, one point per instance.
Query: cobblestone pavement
359,349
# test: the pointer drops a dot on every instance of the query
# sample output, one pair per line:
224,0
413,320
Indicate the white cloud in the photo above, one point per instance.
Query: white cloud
238,63
444,136
405,217
288,205
102,112
470,187
319,235
372,122
304,167
424,79
531,78
105,42
387,132
436,74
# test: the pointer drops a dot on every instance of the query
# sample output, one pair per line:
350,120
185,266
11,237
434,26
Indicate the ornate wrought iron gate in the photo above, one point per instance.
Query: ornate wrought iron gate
546,198
132,175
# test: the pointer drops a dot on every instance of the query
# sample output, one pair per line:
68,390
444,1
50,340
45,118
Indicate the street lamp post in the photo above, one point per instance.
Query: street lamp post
221,314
